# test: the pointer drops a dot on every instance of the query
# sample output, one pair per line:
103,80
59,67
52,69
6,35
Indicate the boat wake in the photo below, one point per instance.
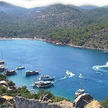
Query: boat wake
68,74
99,68
90,78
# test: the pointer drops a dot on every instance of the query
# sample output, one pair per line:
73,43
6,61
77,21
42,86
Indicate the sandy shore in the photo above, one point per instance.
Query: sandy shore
16,38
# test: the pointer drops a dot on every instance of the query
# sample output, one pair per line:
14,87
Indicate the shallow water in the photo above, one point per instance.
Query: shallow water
55,60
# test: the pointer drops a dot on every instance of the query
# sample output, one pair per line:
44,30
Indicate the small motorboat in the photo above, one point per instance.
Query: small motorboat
29,73
20,67
2,62
80,75
43,84
2,68
10,72
46,78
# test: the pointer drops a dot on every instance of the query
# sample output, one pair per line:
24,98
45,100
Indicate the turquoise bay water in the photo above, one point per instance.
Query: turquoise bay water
55,60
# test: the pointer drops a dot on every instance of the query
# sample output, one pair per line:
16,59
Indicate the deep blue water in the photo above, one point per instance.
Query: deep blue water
55,60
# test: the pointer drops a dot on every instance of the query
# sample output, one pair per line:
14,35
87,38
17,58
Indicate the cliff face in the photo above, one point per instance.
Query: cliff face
31,103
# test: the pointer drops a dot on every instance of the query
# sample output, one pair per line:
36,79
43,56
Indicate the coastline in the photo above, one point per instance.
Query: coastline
4,38
75,46
54,42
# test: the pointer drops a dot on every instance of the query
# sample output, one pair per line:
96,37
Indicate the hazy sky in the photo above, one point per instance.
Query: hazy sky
37,3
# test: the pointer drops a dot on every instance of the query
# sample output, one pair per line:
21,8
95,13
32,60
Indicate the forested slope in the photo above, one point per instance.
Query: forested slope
67,24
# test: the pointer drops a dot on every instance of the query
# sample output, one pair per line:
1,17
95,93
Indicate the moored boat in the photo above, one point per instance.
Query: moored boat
20,67
80,75
10,72
46,78
2,62
43,84
29,73
2,68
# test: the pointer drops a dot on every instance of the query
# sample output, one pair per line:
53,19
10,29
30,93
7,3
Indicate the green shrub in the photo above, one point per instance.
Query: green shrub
41,93
2,77
11,83
24,92
3,90
105,103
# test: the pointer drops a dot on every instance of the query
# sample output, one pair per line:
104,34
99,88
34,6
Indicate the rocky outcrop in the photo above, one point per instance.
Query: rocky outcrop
93,104
4,84
8,84
32,103
46,98
86,101
2,100
82,101
65,104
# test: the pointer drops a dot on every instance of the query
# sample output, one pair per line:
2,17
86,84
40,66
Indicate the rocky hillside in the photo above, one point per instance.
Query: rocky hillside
85,26
82,101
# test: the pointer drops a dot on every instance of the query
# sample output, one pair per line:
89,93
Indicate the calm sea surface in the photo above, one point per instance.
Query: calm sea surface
55,60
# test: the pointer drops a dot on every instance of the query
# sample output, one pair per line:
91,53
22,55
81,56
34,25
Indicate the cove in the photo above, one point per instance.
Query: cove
54,60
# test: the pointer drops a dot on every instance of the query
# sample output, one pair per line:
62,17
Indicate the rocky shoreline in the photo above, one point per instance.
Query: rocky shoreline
75,46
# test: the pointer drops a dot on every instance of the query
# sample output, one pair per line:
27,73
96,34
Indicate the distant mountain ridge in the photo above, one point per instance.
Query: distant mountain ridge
61,23
89,7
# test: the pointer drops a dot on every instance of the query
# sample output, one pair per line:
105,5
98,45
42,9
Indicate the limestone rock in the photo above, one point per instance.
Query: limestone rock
46,98
4,83
2,100
65,104
82,100
21,102
93,104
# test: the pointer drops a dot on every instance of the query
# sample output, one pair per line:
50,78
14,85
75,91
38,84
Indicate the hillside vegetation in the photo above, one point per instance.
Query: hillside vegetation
8,88
87,27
